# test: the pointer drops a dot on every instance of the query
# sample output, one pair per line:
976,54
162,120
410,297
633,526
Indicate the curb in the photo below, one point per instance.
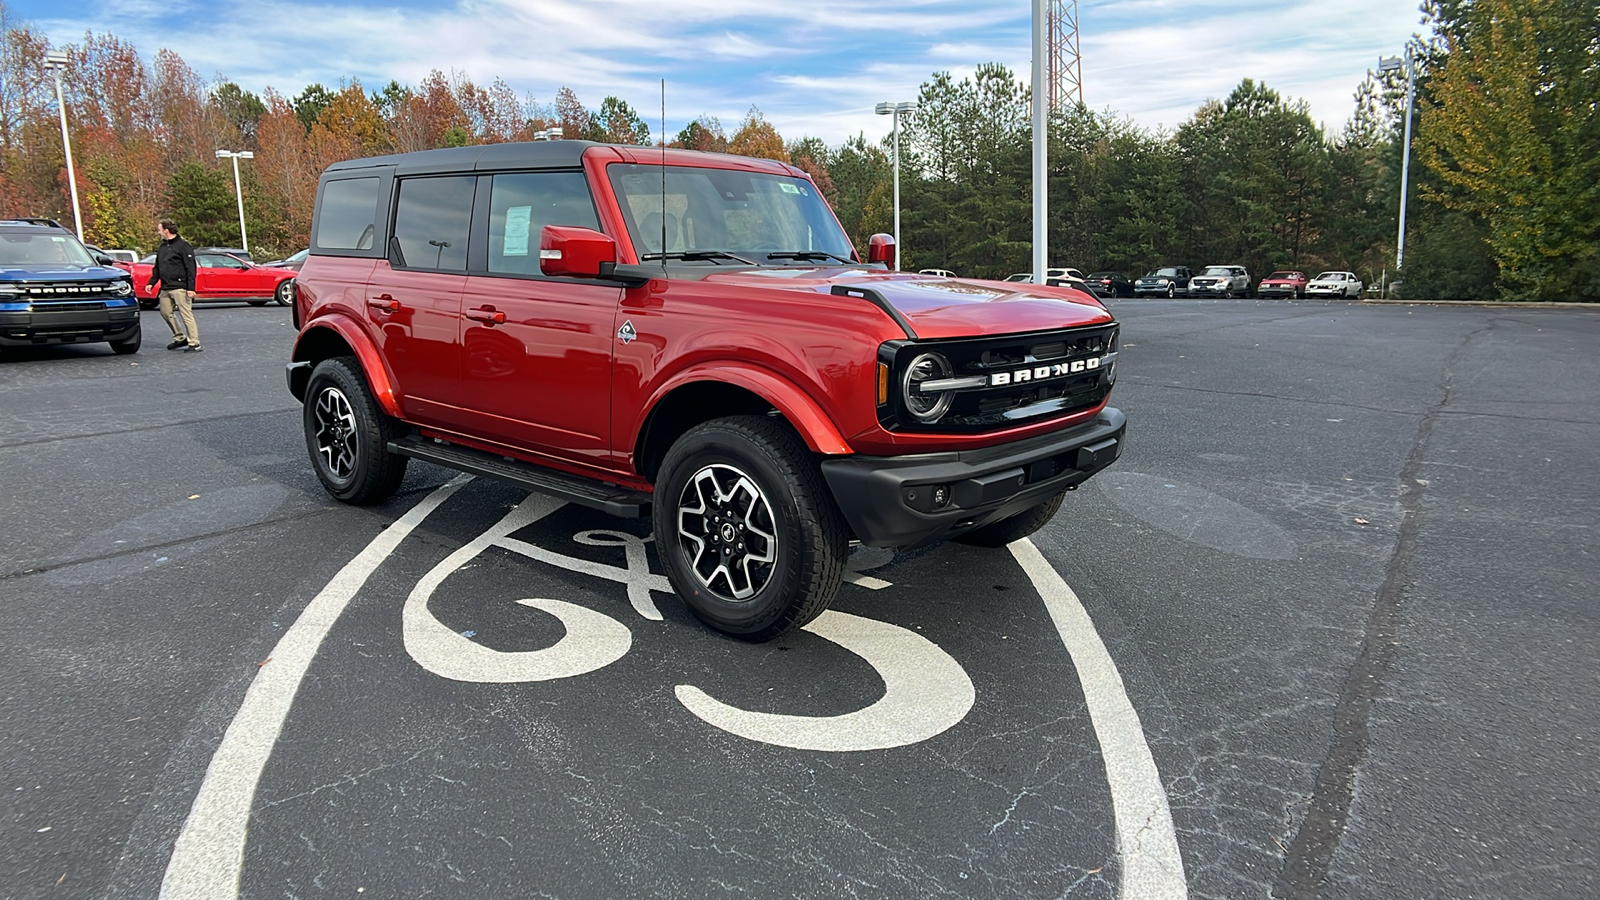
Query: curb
1499,303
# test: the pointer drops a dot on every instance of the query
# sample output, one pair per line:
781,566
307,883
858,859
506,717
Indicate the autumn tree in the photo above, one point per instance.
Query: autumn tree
757,137
1512,130
704,133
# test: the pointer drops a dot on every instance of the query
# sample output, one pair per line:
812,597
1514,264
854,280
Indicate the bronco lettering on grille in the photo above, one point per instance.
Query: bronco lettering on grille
1043,373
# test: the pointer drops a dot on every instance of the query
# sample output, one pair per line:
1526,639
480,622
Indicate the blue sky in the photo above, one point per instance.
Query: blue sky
813,67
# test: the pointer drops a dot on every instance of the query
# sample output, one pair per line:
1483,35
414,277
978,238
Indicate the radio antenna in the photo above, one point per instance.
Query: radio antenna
663,141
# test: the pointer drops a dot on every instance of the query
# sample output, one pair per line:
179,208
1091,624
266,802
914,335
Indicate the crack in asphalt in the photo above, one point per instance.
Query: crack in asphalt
176,423
1305,867
188,539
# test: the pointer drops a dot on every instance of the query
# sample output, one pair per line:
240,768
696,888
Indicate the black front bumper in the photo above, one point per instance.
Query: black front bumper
909,501
44,326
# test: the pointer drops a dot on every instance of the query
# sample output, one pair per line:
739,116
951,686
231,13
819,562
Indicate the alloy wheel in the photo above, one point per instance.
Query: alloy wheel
336,437
727,533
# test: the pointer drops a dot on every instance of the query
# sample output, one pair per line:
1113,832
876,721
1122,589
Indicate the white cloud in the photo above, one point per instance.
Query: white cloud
814,68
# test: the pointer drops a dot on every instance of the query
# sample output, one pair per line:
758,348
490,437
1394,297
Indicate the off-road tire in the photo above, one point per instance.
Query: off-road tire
348,434
699,498
1015,528
129,345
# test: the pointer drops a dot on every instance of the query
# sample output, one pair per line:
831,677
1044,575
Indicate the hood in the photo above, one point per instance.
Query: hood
61,273
938,307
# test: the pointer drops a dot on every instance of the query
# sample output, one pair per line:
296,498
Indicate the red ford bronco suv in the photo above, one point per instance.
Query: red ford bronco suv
690,337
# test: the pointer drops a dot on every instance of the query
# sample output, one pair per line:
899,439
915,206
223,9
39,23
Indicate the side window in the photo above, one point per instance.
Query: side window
347,216
521,204
431,222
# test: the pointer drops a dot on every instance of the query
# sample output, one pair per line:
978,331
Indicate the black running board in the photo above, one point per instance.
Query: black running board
608,498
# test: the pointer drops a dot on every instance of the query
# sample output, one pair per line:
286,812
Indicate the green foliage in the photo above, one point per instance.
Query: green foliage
242,109
202,205
617,123
1447,258
1512,131
309,104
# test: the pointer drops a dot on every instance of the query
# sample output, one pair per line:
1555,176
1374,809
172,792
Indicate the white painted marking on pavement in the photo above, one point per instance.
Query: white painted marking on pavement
1152,868
867,581
593,640
209,854
926,692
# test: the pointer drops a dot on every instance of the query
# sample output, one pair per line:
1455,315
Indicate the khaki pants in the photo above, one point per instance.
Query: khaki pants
184,301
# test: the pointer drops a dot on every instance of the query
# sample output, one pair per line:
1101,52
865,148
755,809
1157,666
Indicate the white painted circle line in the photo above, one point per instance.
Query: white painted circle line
1152,868
208,857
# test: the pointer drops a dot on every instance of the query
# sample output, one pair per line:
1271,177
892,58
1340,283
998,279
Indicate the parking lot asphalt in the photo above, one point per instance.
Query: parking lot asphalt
1332,614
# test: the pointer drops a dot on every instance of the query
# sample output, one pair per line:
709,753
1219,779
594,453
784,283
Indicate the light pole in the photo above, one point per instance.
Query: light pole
1041,145
1395,64
55,61
238,192
896,110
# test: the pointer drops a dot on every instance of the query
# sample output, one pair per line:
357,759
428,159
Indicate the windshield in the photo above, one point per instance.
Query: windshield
723,211
37,248
1168,272
1331,276
1219,270
1288,276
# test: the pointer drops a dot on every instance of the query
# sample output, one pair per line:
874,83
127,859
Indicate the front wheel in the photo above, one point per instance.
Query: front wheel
749,535
1015,528
348,434
128,345
1172,291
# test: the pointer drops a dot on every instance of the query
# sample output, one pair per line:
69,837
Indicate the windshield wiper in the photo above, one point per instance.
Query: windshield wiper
697,256
810,255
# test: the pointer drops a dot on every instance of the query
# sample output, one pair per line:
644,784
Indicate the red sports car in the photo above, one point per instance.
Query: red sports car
225,278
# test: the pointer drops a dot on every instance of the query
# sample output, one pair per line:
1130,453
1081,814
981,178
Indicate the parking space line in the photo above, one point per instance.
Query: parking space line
208,858
1152,867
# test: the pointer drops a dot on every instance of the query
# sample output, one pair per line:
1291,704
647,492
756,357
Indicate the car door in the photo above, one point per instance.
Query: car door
413,297
536,351
219,276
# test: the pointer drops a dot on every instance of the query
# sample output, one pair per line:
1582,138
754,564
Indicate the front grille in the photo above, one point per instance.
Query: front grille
67,290
68,306
1022,399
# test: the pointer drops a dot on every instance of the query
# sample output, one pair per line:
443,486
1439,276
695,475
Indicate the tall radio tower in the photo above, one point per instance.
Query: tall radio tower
1065,64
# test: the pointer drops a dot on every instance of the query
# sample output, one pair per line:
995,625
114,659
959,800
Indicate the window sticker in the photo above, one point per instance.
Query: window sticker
517,219
788,188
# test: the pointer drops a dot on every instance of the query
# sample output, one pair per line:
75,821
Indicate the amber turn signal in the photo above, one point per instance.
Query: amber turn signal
883,383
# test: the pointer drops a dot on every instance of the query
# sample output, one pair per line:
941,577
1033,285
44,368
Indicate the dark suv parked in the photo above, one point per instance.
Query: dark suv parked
52,291
692,337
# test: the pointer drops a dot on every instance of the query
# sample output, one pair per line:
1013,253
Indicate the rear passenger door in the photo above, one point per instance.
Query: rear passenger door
414,295
536,351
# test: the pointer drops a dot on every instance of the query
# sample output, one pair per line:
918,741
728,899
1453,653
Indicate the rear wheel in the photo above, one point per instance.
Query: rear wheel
747,530
1019,526
348,434
284,295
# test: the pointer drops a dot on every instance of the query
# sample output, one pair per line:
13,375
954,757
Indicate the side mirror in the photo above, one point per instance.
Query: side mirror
104,260
880,249
573,251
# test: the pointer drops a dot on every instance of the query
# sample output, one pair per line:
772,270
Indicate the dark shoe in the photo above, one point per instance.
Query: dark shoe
195,348
178,344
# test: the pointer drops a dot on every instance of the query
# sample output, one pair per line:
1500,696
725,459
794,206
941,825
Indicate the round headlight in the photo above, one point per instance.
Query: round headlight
121,289
927,406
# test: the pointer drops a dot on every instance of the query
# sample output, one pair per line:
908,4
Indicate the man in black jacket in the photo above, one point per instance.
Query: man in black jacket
175,270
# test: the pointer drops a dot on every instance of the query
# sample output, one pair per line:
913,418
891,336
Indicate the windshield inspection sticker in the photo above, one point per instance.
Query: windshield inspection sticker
788,188
516,242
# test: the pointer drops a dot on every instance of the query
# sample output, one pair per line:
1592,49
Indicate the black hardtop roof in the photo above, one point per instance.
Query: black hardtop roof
520,155
47,224
541,154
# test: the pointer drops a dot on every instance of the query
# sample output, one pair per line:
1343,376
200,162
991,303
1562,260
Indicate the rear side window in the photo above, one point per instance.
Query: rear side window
345,221
521,204
431,222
